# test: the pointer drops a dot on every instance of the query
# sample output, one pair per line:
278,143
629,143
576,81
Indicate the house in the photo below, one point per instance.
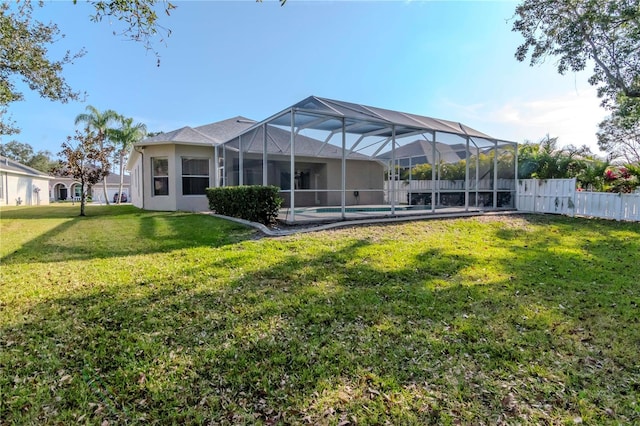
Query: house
22,185
199,158
66,188
323,154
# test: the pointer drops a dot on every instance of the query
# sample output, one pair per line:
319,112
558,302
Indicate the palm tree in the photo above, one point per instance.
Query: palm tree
124,137
99,122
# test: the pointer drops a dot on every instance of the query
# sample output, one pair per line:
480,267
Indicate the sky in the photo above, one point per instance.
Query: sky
451,59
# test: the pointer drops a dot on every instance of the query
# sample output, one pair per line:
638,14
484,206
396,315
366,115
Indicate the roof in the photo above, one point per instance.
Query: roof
423,148
9,165
279,143
225,130
209,134
114,179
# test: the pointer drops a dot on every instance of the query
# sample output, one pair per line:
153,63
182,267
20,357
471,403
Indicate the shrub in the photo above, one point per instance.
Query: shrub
621,179
255,202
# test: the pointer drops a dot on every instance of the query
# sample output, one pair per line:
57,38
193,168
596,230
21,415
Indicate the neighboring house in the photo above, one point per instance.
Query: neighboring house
422,152
66,188
22,185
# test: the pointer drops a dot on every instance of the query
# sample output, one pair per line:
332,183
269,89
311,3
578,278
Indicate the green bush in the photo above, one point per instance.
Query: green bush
255,203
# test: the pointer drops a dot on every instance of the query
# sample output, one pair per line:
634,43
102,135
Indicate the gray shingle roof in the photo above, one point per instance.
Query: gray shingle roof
449,153
224,130
183,135
114,179
279,143
209,134
423,148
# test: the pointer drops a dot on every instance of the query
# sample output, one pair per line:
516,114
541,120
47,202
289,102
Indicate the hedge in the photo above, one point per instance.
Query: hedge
254,202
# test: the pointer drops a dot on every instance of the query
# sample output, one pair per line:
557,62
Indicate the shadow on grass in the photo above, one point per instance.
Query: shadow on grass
66,210
116,231
333,336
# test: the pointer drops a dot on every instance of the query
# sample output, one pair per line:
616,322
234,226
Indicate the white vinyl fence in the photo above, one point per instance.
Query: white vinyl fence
560,196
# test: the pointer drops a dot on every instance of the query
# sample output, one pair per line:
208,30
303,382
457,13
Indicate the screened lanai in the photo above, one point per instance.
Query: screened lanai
336,160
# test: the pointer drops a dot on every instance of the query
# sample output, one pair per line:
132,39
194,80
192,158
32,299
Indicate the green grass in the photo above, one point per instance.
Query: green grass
135,317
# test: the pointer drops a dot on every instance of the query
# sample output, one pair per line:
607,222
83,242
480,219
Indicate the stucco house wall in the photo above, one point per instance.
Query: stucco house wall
149,200
23,190
65,188
142,190
20,184
322,174
192,202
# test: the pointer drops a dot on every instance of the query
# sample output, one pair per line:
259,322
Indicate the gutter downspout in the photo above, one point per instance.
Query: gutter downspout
141,152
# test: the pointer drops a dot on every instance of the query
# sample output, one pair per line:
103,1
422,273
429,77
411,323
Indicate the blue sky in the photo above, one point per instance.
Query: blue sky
452,60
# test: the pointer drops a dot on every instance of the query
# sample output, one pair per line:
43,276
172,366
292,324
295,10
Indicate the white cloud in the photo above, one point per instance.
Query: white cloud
573,117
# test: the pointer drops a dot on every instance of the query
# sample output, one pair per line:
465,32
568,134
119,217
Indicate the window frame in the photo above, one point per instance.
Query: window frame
155,176
195,176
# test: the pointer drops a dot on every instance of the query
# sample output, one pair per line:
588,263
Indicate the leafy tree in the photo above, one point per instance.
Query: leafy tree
99,122
24,44
418,172
453,171
543,160
140,19
23,55
85,162
18,151
23,153
621,138
606,32
123,139
43,161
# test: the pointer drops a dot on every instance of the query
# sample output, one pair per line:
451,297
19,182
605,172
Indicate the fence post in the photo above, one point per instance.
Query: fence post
535,195
573,197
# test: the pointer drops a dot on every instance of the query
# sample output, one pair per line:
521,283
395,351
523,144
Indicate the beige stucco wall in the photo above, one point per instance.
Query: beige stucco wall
96,192
158,202
142,178
366,177
135,170
194,203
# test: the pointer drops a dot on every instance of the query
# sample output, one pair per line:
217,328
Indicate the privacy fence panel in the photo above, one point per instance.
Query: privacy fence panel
559,196
547,196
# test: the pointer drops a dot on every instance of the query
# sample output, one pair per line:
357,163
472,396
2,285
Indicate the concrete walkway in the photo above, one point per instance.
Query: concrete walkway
303,228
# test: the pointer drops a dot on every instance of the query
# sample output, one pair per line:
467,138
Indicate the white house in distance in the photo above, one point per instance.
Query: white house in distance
327,157
66,188
22,185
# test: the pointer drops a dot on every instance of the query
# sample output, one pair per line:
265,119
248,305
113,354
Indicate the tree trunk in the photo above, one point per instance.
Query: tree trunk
83,198
104,187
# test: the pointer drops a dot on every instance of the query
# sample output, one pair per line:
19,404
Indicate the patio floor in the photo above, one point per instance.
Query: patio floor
334,214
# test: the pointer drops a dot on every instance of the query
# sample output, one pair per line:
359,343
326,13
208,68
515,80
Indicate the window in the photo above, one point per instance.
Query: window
195,176
160,171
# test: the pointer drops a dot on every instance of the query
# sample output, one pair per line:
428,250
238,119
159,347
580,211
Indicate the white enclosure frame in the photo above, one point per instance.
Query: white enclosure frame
352,134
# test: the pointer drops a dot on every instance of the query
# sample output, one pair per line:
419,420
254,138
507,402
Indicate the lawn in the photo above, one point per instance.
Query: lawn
133,317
